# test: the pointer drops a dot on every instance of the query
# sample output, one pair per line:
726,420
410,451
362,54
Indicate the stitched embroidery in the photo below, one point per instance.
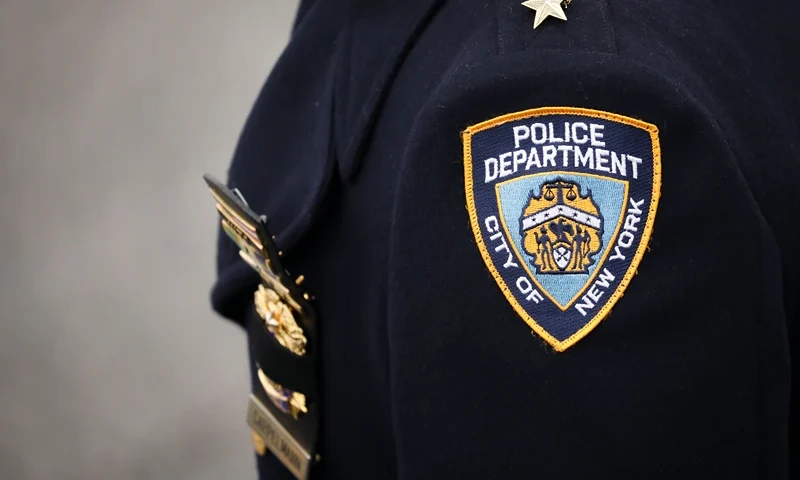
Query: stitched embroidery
562,203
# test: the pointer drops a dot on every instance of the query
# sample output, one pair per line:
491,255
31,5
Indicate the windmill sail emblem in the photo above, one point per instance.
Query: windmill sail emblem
562,230
562,202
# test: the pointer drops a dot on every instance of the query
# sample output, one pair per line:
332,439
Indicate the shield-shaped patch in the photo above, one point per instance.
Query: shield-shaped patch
562,203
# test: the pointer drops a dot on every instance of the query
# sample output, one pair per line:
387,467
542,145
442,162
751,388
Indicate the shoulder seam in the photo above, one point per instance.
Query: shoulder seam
611,34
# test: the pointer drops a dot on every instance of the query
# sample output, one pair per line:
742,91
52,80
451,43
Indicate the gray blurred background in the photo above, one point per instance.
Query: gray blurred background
112,365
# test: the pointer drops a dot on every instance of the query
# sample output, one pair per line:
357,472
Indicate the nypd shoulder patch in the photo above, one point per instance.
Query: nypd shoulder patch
562,203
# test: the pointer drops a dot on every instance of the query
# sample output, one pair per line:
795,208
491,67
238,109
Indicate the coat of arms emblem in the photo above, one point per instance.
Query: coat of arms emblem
561,229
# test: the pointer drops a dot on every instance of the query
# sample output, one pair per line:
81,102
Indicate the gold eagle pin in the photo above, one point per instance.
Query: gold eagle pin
547,8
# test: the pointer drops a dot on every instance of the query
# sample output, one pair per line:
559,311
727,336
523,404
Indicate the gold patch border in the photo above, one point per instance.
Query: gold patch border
601,262
466,136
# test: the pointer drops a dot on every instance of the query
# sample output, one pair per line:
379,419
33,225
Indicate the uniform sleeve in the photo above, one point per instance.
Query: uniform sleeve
582,282
794,418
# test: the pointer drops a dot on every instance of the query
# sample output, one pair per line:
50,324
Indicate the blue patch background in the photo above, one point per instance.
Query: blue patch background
618,137
607,194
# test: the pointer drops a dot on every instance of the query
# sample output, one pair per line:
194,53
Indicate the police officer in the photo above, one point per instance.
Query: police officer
567,251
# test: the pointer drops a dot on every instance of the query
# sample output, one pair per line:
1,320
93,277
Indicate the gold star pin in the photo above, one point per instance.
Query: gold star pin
547,8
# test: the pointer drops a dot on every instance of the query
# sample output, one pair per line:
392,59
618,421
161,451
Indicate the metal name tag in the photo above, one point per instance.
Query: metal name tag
282,444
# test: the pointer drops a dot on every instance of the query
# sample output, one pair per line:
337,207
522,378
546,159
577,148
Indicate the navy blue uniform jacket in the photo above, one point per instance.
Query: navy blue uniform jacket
354,151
